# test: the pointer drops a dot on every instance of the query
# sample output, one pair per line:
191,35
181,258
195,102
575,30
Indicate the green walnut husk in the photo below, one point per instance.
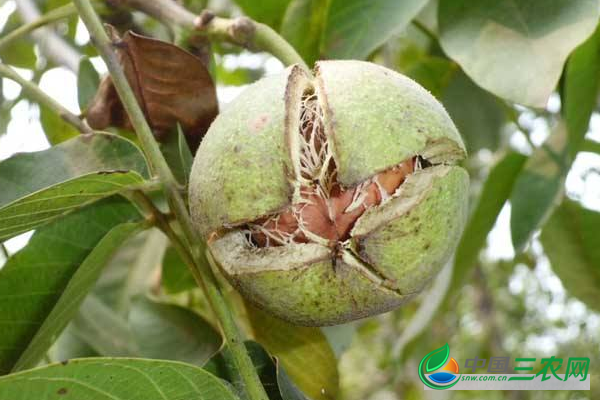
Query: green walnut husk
249,165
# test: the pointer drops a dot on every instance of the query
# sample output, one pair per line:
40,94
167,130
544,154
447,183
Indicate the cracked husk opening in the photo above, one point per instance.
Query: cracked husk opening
322,210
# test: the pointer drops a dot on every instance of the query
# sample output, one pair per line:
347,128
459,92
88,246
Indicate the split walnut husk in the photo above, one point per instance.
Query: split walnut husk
331,197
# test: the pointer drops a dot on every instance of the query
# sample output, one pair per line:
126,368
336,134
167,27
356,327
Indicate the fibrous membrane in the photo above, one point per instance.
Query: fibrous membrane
322,210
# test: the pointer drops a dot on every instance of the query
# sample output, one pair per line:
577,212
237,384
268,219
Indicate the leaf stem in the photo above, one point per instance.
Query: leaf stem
50,17
590,146
241,31
36,94
158,165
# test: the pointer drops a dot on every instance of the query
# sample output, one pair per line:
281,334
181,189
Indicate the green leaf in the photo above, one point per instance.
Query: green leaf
56,129
73,294
185,155
582,80
222,365
115,379
539,187
571,241
88,81
177,153
268,12
287,389
171,332
433,73
19,53
71,22
85,154
33,280
515,49
39,187
176,277
495,192
132,270
477,114
437,358
303,25
304,352
272,375
416,56
237,76
103,329
340,337
357,27
43,206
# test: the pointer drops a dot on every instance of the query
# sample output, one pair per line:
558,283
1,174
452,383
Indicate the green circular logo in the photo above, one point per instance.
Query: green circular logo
435,360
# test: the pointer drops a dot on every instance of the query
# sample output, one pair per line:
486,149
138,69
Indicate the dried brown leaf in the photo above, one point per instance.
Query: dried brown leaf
170,84
106,109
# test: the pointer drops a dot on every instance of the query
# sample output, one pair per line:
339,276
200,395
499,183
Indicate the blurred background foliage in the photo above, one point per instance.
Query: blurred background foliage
520,80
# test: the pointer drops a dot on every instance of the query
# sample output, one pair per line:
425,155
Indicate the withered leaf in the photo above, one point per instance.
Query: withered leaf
170,84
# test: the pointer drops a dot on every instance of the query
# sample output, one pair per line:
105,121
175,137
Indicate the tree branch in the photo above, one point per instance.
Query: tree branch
241,31
590,146
158,165
36,94
51,45
52,16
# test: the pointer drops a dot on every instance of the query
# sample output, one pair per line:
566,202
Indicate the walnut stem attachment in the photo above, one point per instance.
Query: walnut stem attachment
158,165
241,31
